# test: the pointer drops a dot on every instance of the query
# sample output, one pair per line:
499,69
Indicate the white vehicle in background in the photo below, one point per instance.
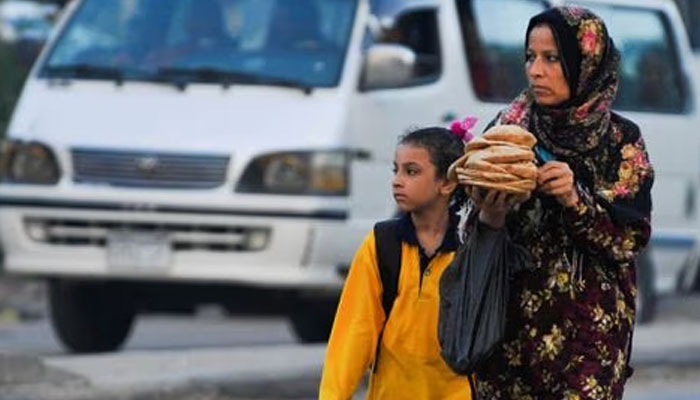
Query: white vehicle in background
237,151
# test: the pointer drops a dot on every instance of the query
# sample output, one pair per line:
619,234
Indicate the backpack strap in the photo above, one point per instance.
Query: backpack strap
388,250
388,247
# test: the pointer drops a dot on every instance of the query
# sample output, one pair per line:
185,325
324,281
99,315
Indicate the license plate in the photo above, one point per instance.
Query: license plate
139,251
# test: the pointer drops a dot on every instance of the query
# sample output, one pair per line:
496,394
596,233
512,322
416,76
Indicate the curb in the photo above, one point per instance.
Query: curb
303,385
19,369
283,372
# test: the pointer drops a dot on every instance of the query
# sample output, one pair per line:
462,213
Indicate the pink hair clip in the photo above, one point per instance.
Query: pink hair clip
462,129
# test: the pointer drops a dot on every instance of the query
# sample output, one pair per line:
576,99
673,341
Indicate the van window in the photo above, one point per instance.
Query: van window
650,77
254,41
494,35
418,30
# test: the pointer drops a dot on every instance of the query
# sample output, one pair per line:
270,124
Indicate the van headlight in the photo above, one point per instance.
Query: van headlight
30,162
323,173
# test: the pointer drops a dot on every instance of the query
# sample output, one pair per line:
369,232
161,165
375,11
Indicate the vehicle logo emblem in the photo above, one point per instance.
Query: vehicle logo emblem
147,165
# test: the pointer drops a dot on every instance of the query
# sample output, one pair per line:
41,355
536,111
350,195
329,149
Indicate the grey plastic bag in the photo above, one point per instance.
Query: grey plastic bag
474,297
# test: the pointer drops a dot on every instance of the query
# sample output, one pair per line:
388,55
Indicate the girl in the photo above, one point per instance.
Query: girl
402,349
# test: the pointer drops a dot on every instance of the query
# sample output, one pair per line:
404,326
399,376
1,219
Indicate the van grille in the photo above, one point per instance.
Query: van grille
182,237
144,169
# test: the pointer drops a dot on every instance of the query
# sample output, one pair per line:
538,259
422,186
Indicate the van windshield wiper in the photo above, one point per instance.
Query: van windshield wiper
87,71
181,77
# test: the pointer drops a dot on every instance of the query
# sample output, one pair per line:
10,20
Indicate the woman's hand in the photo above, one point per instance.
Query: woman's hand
493,205
556,178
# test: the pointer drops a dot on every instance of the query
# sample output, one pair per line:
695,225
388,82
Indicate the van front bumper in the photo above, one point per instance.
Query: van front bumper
268,249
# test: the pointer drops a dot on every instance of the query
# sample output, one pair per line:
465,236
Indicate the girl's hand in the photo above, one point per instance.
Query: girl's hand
493,205
556,178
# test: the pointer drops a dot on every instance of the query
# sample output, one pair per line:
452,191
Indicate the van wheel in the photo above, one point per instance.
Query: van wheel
646,294
312,318
90,317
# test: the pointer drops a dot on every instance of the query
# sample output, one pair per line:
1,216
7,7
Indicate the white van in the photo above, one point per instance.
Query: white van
237,151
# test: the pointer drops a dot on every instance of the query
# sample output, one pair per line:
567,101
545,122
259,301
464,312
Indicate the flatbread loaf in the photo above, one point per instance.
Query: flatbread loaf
501,159
481,143
512,134
496,177
524,170
524,186
503,154
481,165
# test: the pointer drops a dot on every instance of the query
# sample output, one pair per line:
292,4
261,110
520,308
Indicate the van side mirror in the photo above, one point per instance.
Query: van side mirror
388,66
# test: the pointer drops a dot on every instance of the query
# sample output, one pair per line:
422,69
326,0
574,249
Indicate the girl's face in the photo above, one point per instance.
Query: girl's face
544,68
416,185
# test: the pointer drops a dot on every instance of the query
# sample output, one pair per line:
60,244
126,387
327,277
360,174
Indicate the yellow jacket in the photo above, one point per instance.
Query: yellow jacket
410,365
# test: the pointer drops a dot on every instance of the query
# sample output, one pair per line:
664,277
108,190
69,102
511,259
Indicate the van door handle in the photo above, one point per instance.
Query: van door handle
690,200
360,154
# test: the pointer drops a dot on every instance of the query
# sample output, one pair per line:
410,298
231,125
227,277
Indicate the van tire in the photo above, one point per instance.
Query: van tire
90,317
312,319
646,294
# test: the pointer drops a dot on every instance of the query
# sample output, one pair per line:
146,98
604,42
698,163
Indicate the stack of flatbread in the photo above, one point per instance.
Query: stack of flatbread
501,159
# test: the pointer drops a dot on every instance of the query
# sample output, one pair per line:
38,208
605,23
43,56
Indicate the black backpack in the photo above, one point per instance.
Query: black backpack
388,249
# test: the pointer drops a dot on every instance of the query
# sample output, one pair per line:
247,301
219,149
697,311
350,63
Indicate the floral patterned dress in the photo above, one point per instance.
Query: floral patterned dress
570,317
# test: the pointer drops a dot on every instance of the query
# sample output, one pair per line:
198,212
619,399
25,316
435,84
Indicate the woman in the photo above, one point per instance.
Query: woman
571,316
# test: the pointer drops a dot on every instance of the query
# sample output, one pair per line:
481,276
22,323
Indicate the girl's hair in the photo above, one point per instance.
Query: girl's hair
444,148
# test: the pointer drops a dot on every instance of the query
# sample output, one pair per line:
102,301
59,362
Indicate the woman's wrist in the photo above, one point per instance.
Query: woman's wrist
572,200
575,210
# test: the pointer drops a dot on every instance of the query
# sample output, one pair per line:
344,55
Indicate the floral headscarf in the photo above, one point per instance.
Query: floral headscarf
605,150
590,63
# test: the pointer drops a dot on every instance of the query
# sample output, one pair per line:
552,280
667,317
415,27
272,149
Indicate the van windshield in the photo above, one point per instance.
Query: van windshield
277,42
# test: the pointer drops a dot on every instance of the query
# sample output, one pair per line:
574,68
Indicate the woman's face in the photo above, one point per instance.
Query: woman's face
544,68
